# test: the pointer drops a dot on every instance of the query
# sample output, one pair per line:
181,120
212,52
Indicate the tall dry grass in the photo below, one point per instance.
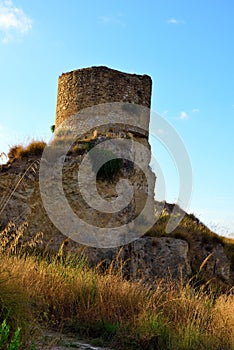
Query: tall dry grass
66,294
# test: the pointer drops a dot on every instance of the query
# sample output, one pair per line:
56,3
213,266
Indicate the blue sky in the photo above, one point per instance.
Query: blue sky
187,48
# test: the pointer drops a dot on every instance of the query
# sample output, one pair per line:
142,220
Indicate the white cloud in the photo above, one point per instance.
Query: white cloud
183,115
196,110
175,21
13,21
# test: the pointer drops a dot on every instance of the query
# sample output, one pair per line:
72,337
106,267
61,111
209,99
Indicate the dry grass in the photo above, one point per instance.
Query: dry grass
35,148
66,294
15,152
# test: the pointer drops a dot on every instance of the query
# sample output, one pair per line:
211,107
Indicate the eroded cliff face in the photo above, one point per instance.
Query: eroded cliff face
147,257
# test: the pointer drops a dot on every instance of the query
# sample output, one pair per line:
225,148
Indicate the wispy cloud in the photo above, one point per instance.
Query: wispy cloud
111,20
105,19
195,110
175,21
164,113
160,131
13,21
183,115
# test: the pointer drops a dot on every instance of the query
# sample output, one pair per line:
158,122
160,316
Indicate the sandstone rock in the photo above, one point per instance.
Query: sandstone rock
160,257
214,260
148,258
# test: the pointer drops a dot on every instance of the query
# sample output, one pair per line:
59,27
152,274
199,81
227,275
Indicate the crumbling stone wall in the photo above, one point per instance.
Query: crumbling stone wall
87,87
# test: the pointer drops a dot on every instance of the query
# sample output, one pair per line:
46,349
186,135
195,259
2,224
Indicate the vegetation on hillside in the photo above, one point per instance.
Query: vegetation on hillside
191,229
64,293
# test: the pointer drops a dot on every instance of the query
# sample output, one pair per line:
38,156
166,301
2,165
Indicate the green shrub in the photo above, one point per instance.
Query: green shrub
52,128
110,167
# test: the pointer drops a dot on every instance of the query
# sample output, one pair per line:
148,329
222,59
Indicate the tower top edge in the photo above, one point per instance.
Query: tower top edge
104,69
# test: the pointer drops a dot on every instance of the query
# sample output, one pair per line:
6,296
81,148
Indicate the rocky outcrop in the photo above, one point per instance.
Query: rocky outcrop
212,260
146,258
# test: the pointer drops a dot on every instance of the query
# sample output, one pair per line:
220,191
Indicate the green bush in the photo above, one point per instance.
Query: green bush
110,167
52,128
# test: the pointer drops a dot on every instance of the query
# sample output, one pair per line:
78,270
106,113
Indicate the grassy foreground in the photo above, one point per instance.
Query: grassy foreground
46,292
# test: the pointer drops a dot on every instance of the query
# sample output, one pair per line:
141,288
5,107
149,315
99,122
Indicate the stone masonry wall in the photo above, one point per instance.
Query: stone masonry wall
87,87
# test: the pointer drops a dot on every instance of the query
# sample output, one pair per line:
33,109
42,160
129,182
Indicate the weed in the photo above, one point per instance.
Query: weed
52,128
6,341
10,341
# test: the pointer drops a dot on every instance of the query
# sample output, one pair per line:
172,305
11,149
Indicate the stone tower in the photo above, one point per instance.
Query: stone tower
79,93
87,87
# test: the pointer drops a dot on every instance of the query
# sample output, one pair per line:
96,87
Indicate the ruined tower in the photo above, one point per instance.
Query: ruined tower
128,97
87,87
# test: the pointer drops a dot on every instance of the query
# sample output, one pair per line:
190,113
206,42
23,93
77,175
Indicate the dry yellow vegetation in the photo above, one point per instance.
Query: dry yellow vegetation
64,293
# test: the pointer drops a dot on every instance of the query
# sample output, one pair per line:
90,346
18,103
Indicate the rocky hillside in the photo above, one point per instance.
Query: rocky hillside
191,249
